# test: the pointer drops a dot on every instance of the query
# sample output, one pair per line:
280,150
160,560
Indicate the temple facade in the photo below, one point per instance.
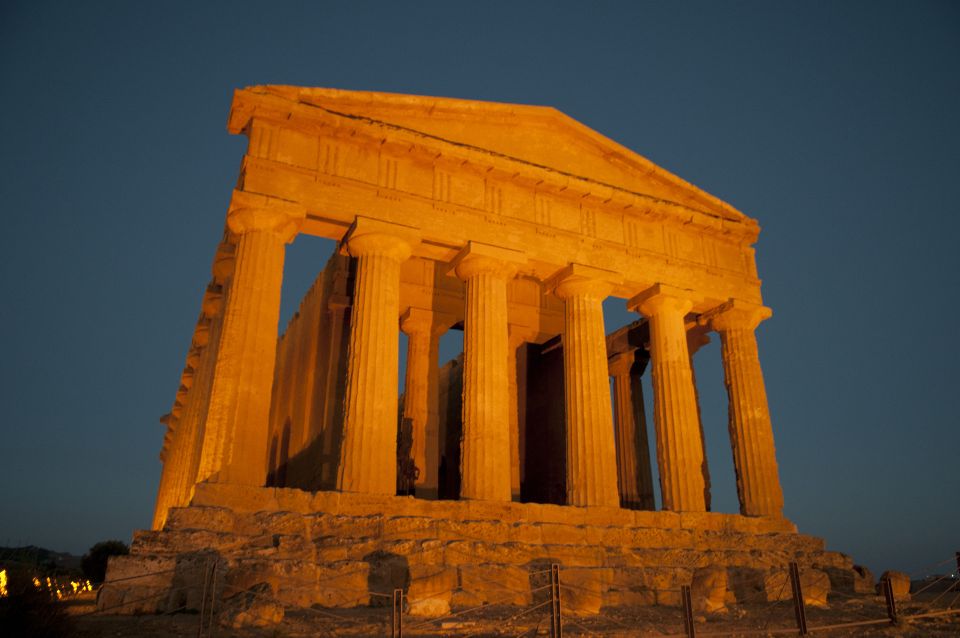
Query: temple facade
510,223
293,468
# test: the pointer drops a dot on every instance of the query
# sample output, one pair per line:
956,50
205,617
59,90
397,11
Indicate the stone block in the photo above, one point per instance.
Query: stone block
342,584
141,570
482,531
652,537
527,533
545,513
282,522
606,516
746,584
559,534
900,583
708,590
574,555
814,583
489,510
582,590
629,598
255,607
657,520
431,589
217,519
493,584
292,500
292,581
346,526
410,527
863,580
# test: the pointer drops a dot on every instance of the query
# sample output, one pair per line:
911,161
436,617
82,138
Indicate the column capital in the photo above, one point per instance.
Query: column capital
697,337
621,363
224,261
517,334
212,302
476,258
736,314
368,236
251,212
579,280
416,320
662,298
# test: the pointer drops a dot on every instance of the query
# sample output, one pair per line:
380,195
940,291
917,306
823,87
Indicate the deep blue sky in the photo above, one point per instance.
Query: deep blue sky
834,124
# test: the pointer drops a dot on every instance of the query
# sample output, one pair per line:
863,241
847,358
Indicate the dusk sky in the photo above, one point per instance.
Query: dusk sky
835,124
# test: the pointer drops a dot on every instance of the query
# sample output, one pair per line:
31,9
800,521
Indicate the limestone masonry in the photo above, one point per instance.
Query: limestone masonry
284,457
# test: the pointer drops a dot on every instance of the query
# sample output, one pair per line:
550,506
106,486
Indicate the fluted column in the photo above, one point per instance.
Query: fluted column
591,450
421,394
235,436
679,449
368,456
634,471
485,455
751,433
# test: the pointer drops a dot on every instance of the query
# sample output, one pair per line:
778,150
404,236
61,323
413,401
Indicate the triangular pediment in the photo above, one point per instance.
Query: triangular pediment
538,135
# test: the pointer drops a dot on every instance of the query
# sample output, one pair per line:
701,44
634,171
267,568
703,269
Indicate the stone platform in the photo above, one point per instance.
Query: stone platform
345,550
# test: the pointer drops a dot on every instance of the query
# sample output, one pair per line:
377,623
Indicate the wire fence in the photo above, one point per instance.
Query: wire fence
555,599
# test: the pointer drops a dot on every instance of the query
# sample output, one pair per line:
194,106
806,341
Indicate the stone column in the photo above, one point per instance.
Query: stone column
485,455
235,437
751,434
679,449
421,394
634,471
591,450
368,456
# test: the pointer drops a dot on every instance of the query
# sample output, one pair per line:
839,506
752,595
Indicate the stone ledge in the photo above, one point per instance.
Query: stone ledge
244,499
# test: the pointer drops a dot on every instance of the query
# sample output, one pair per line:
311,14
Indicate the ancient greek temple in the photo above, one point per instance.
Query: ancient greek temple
513,224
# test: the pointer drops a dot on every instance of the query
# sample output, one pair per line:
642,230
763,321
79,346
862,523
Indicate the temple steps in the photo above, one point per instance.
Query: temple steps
353,554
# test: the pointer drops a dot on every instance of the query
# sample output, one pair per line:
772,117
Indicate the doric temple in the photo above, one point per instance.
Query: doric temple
513,224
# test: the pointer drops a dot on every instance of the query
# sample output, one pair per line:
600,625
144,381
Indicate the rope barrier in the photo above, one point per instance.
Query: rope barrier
931,584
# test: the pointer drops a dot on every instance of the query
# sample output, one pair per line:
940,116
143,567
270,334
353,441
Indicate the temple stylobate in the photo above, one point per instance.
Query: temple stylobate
510,223
294,469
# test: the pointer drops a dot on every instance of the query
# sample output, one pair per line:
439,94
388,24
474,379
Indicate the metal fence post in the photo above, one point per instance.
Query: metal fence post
397,616
556,622
798,607
687,603
956,585
887,585
203,596
212,627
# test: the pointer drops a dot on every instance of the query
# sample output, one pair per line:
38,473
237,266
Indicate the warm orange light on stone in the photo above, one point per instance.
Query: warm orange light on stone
513,223
679,448
368,455
485,455
234,448
751,434
591,472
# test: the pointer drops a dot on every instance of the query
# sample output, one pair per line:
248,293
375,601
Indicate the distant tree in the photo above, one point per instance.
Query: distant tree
94,562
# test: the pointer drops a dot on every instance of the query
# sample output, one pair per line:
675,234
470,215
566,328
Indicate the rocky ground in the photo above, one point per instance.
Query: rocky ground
741,620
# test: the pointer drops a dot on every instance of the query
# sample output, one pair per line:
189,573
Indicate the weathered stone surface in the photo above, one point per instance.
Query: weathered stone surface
254,607
583,590
814,583
900,583
708,590
431,589
493,584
